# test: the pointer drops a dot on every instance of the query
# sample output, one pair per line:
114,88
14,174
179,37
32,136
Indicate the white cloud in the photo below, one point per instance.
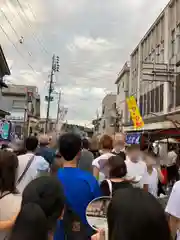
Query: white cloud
92,38
89,44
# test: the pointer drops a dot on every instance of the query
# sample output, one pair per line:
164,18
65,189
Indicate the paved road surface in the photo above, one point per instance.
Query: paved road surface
100,223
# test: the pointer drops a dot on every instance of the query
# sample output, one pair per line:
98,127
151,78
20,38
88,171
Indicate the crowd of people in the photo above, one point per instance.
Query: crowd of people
45,189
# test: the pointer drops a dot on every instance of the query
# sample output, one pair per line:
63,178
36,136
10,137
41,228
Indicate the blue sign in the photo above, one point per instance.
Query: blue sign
133,138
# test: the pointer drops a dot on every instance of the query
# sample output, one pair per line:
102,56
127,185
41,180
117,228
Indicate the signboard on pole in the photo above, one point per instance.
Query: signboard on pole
135,113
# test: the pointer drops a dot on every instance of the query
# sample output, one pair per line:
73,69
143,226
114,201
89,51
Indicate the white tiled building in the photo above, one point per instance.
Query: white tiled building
122,83
160,45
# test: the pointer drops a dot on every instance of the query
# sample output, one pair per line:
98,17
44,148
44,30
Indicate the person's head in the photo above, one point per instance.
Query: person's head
31,144
42,205
85,143
18,147
70,145
8,170
43,140
106,143
119,141
94,144
134,214
31,223
4,146
133,152
149,159
117,167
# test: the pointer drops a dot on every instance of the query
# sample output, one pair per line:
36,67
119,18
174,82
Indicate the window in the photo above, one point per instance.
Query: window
118,89
158,53
145,105
156,98
178,38
104,124
148,103
103,110
18,104
152,101
141,105
173,43
177,90
161,97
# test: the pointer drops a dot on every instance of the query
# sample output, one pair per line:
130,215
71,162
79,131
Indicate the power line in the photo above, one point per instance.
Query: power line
35,18
16,48
14,30
28,21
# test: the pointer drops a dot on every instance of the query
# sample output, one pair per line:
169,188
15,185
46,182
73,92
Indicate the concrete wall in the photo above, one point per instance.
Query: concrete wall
123,92
108,113
161,44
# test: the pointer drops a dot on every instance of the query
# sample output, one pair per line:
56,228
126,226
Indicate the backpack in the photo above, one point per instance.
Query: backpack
74,228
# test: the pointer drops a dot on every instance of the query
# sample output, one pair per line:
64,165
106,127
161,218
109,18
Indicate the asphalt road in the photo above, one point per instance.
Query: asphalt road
99,223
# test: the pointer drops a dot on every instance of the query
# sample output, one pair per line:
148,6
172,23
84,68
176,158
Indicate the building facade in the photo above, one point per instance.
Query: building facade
107,123
23,102
154,77
4,70
122,83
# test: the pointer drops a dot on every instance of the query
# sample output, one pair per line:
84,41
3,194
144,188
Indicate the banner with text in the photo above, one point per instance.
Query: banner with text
135,113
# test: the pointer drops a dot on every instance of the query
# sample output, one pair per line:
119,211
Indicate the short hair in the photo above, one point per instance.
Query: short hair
142,210
133,147
8,168
31,143
106,142
85,143
70,145
42,204
117,167
43,140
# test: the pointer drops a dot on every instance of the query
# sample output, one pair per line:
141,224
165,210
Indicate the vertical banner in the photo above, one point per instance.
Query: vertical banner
135,113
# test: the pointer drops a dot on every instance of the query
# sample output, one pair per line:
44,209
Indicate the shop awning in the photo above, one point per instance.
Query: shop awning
152,126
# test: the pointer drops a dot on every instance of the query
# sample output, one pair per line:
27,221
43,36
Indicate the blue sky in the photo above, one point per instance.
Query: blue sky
93,39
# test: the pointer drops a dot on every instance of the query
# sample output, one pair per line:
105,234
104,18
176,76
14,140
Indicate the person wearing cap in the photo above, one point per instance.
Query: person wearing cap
44,151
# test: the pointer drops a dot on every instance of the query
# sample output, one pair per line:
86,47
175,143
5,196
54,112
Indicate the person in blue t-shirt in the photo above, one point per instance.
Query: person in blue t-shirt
80,187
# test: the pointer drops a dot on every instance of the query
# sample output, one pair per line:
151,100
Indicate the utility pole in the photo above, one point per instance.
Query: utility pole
58,111
49,98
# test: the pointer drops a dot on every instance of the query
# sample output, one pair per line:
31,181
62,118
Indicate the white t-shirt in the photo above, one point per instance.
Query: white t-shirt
173,205
137,170
9,207
100,163
153,182
39,164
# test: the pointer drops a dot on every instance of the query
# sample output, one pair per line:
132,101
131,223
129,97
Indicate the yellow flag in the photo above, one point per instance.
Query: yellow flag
135,113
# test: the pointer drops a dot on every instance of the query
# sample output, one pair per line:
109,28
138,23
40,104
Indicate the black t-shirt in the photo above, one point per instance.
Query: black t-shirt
115,186
121,154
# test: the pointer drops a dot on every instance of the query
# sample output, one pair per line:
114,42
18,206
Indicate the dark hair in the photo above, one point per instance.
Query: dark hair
134,214
117,166
8,168
31,143
85,143
31,223
46,192
106,142
4,146
69,146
